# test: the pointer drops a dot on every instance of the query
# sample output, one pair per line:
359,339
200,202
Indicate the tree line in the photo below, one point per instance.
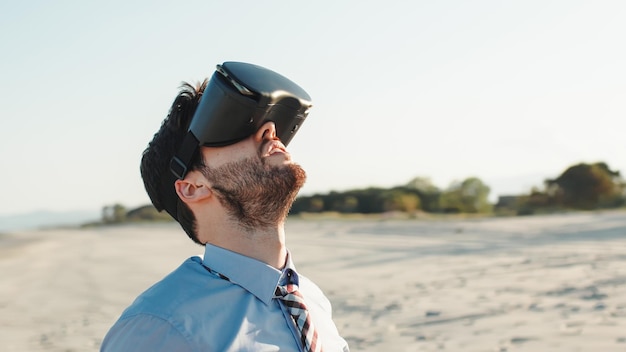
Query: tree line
580,187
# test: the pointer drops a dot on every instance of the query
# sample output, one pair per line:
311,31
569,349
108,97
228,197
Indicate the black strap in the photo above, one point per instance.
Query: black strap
179,165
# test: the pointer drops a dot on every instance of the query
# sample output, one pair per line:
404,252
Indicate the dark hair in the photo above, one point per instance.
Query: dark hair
155,162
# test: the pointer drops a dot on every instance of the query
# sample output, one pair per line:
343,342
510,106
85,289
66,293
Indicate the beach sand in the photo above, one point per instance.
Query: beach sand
541,283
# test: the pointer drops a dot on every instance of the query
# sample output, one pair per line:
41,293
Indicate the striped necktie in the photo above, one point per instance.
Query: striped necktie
294,303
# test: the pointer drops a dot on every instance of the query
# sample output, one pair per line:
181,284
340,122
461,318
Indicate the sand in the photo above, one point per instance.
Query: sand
542,283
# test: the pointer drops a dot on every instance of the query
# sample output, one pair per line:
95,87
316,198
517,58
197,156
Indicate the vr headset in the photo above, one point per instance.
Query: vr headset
237,101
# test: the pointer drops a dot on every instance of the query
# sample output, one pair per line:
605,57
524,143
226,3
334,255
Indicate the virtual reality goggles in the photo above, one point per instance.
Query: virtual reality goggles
237,101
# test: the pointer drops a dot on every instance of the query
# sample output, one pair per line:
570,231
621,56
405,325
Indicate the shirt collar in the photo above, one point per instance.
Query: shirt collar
254,276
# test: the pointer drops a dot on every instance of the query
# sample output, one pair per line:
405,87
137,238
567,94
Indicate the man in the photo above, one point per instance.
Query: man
219,166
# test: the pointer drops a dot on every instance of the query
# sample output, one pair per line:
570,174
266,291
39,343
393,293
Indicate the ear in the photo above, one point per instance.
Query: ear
193,188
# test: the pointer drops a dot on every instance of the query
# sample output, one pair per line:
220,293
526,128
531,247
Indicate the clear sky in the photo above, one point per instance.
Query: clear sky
512,92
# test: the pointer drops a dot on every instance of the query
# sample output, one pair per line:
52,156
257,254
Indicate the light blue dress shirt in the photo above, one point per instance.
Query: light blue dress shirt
194,309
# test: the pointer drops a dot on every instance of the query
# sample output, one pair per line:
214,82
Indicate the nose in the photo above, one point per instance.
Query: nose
267,131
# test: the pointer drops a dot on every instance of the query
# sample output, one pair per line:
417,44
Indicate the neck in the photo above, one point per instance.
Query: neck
266,244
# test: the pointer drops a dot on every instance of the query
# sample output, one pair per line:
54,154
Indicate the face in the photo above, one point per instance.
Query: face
254,179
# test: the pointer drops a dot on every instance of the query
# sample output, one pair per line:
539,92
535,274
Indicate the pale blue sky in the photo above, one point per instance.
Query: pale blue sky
509,91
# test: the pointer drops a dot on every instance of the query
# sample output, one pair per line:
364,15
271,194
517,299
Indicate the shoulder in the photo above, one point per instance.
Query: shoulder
188,282
144,332
167,313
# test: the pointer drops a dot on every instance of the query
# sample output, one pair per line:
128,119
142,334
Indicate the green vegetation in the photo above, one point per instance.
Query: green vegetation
579,187
117,214
582,187
469,196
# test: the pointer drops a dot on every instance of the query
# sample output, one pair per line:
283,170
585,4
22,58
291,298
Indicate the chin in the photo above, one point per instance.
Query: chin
276,162
278,157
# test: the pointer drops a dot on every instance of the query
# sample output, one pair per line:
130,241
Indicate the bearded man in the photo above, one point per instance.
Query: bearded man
219,166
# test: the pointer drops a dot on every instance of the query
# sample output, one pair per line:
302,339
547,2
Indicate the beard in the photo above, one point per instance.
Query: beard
254,193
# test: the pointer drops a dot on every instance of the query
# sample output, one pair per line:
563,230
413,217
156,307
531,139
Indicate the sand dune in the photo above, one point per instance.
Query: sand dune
544,283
